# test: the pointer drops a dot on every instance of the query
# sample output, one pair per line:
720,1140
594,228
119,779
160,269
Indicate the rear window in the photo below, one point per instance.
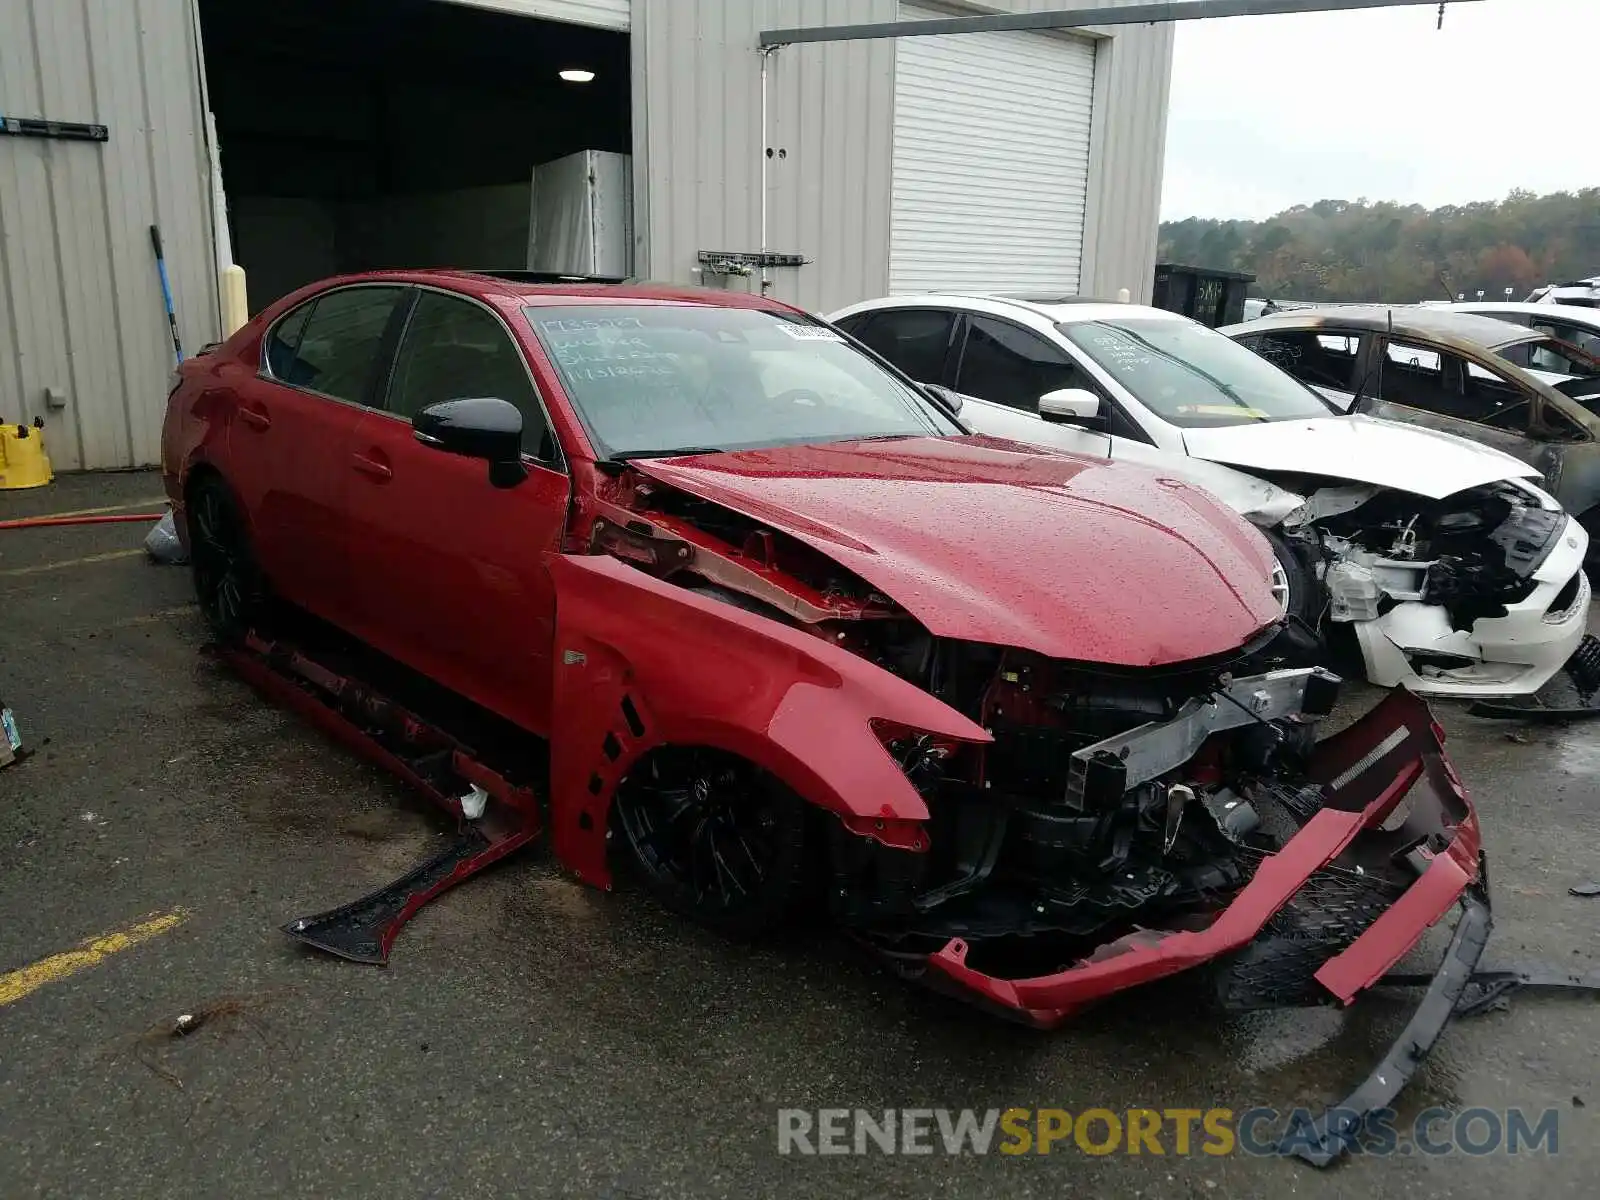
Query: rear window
654,379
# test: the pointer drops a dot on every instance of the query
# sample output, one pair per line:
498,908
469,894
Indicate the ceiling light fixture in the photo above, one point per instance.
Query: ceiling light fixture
577,75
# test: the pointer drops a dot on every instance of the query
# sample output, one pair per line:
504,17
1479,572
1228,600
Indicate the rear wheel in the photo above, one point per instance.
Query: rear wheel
227,582
715,838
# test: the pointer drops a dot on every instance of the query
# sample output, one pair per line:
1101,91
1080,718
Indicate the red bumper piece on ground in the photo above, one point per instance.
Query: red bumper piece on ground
1392,755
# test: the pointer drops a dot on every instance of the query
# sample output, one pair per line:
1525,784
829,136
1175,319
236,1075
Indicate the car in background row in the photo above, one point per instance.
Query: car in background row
1581,293
1510,386
1397,532
1567,323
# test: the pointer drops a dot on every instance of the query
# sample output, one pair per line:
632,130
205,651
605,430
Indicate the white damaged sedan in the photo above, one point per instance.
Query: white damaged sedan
1456,574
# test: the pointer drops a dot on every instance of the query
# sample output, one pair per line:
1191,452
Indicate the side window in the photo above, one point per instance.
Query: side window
1014,366
1318,359
1580,336
338,349
453,350
1501,403
1441,383
916,340
284,340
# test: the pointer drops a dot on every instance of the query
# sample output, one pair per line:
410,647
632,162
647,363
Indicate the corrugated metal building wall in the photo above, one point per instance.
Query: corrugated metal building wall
80,302
697,96
992,136
80,305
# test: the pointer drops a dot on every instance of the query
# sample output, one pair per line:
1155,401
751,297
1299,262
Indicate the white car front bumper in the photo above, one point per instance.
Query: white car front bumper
1414,645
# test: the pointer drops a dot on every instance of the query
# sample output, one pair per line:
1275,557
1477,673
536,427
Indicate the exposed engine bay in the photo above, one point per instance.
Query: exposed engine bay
1473,553
1113,806
1070,830
1479,593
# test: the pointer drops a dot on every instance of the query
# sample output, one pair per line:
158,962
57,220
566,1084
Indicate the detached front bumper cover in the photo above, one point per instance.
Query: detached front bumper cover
1391,757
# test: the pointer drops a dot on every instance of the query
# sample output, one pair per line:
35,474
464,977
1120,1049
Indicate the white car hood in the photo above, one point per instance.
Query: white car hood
1365,449
1254,499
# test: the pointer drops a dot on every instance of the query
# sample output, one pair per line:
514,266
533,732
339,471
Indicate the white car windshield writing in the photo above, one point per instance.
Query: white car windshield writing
662,378
1194,377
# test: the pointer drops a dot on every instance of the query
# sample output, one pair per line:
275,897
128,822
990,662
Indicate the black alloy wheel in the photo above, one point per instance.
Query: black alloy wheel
227,582
715,838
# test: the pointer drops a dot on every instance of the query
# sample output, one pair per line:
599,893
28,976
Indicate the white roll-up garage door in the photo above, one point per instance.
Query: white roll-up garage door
606,14
991,160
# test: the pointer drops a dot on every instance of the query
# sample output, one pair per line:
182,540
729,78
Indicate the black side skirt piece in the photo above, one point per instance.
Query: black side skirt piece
364,930
1336,1130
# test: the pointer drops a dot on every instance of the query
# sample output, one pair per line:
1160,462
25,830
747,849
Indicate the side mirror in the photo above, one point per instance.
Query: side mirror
481,427
1069,406
950,401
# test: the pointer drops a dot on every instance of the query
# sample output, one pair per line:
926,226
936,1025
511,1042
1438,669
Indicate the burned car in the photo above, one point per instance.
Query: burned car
1445,563
735,607
1493,379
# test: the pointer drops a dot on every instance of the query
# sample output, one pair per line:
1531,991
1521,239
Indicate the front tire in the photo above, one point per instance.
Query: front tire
715,838
227,582
1294,583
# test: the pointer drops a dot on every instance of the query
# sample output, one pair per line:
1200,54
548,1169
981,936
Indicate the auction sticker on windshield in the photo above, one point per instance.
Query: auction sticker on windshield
809,333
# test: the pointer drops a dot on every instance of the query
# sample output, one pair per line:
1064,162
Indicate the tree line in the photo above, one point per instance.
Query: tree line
1344,250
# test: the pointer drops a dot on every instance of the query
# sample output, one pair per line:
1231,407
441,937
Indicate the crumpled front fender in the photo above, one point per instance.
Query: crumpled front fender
641,663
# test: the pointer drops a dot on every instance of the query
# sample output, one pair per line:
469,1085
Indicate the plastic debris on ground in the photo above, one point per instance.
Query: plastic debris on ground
162,542
10,738
1573,695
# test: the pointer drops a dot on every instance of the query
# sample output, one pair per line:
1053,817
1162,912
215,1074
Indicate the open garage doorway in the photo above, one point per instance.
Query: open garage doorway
364,134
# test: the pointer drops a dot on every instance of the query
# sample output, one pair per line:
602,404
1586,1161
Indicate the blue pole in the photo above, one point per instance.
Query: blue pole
166,292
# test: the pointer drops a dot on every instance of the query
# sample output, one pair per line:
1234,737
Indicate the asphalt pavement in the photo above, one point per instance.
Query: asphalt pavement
532,1037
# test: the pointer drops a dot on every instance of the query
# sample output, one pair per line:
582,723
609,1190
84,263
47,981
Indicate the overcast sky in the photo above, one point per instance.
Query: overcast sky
1268,112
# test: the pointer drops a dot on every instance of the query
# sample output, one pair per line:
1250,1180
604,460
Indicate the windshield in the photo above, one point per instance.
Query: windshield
652,379
1191,376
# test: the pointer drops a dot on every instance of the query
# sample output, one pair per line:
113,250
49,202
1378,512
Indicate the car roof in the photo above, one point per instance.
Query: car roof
1053,306
1422,323
531,288
1559,312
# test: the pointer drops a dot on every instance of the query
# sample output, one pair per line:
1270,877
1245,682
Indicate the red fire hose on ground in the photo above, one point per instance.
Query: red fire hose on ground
87,519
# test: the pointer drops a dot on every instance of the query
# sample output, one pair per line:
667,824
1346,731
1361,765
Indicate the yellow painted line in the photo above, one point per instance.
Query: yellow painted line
86,561
14,985
95,512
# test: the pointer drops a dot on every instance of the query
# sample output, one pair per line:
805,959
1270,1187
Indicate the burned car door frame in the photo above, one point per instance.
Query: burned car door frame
1533,438
1560,438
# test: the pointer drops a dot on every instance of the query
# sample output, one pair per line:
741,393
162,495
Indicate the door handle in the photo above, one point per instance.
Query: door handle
255,418
371,467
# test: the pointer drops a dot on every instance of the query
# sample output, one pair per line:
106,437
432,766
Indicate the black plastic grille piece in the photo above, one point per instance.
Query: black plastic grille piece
1331,910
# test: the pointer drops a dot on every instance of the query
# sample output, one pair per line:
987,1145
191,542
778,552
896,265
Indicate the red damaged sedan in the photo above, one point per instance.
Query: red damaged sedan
768,626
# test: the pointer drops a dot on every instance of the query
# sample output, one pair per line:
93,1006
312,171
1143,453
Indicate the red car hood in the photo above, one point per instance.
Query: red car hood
990,541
